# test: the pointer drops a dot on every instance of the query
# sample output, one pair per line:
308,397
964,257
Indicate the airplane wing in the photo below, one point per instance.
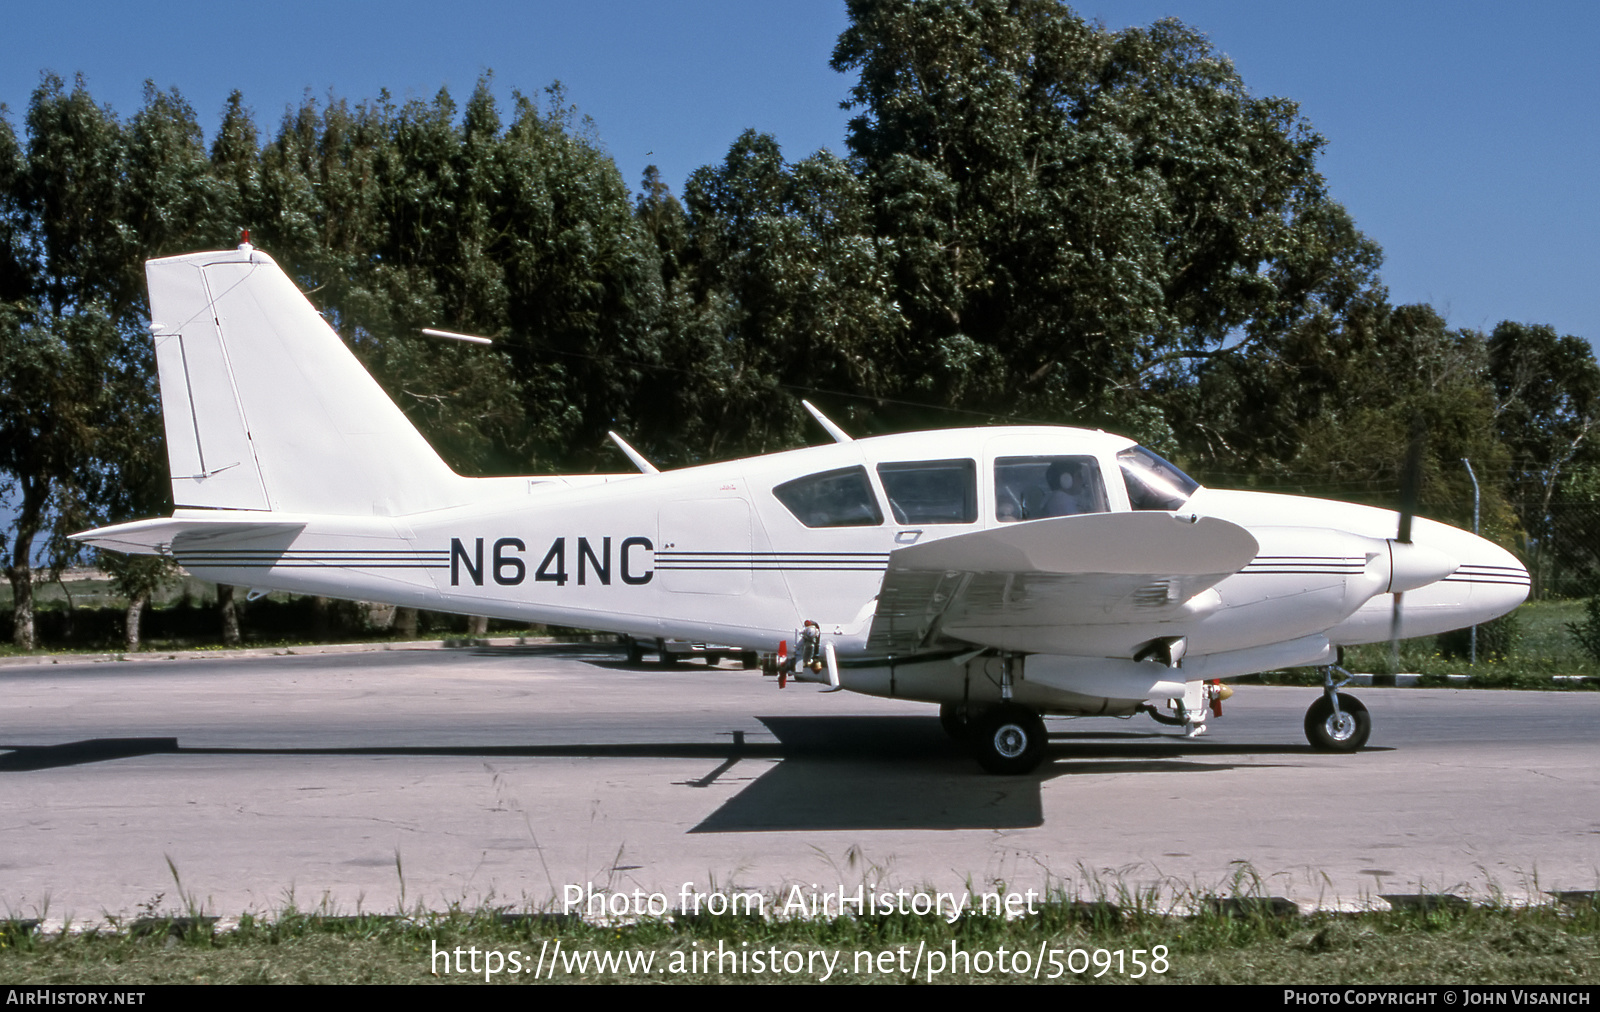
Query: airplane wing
1062,585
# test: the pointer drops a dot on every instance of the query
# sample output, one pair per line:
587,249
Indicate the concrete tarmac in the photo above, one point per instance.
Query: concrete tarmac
502,775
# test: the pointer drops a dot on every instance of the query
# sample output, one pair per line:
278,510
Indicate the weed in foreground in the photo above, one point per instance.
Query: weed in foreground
1227,933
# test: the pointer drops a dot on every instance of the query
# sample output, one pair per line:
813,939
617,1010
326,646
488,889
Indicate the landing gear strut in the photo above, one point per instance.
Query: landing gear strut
1337,723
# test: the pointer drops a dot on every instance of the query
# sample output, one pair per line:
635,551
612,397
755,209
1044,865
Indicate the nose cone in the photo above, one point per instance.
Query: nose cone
1496,582
1488,582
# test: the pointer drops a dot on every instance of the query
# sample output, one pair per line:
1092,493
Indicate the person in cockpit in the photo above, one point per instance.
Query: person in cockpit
1060,500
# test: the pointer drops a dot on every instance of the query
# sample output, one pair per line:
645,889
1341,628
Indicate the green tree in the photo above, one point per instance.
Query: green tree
789,288
53,403
87,202
582,279
1387,369
138,578
236,167
1547,408
403,218
67,268
1078,215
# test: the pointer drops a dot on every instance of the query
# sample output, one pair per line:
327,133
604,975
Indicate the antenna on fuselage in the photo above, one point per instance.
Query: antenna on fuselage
838,434
644,466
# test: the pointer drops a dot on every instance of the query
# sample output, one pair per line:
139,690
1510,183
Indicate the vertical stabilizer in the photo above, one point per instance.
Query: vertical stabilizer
266,409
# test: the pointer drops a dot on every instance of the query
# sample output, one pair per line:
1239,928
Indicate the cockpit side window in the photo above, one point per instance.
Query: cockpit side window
1153,483
932,491
841,498
1030,488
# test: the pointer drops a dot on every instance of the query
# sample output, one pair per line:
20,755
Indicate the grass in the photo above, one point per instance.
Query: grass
1495,944
1544,648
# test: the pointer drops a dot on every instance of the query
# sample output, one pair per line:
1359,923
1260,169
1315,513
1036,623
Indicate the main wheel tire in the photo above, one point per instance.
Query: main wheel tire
1008,740
749,659
635,651
1344,732
956,719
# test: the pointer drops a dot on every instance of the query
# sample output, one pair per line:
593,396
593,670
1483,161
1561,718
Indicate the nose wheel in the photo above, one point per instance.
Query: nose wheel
1337,722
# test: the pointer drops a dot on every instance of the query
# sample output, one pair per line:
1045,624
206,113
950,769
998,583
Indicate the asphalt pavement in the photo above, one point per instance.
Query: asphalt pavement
506,774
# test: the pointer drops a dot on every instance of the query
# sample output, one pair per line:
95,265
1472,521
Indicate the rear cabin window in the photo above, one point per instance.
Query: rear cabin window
841,498
1031,488
932,491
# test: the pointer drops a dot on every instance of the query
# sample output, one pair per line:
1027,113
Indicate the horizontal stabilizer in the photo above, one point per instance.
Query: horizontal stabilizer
155,537
1153,543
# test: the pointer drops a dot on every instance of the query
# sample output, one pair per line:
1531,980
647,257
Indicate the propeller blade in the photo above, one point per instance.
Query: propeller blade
1411,477
1394,635
1410,490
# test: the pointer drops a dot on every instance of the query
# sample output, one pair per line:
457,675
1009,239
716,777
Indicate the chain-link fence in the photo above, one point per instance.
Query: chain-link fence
1564,556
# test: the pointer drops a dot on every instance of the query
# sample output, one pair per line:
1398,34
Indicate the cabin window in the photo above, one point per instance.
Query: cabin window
1031,488
932,491
1153,483
841,498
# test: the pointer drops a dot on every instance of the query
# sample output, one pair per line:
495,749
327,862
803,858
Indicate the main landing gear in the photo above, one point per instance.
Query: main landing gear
1337,723
1007,739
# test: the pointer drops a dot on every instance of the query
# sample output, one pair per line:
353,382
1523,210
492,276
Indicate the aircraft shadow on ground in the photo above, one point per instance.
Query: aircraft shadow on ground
863,773
837,773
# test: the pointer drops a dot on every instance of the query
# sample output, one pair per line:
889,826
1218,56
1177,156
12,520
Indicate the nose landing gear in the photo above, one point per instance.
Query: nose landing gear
1337,723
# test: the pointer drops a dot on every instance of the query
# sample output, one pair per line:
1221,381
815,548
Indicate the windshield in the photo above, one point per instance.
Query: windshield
1153,483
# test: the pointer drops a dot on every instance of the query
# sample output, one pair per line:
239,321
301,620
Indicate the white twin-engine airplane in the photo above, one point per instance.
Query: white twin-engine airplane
1003,573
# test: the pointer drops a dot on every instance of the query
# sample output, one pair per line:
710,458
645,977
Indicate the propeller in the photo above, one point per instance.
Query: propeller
1410,488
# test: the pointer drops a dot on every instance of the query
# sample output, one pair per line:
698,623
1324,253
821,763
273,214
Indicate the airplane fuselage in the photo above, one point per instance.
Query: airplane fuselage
710,553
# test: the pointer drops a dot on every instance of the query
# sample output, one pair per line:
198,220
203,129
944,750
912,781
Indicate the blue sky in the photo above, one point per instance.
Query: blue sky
1463,137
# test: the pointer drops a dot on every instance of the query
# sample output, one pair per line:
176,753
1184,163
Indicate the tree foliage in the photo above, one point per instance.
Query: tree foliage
1546,409
1076,213
79,436
425,216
